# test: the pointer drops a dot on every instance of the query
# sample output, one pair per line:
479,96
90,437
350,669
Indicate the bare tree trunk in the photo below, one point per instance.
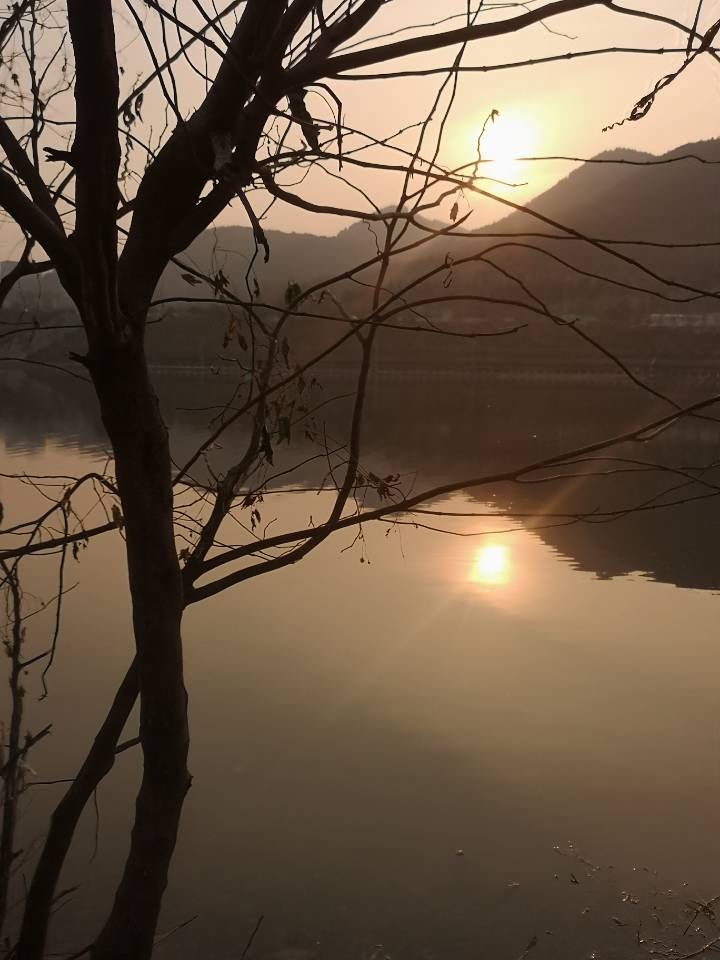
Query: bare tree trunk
136,430
132,417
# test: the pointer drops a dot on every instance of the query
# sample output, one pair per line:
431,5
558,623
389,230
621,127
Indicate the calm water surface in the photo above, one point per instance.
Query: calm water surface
356,724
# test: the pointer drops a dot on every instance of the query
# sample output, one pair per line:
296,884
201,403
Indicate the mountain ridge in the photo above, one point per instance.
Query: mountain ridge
669,200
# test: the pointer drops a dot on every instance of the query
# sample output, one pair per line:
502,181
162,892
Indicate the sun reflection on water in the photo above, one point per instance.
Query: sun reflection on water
491,565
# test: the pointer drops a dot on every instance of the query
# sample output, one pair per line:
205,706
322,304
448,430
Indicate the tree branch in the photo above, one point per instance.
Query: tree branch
96,158
23,167
313,69
35,223
404,506
98,763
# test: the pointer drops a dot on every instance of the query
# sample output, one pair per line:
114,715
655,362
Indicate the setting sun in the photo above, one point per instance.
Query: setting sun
504,141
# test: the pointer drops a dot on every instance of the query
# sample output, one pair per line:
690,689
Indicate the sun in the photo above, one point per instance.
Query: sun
505,140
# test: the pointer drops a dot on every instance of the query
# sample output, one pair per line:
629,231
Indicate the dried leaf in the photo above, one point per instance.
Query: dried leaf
284,429
266,447
292,292
301,115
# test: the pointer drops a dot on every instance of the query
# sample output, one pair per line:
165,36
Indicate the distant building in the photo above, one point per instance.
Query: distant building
681,321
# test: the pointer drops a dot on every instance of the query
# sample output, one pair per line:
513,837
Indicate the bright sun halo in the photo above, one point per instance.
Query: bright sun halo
504,141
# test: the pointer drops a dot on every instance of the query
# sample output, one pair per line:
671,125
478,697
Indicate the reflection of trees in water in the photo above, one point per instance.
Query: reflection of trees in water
434,431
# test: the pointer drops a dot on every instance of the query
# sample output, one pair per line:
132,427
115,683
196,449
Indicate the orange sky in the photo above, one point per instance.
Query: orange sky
564,104
557,108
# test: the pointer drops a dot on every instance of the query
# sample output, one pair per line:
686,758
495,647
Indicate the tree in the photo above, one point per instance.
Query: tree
268,107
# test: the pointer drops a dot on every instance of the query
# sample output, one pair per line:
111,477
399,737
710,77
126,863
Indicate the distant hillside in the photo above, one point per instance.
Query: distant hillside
672,202
295,257
301,258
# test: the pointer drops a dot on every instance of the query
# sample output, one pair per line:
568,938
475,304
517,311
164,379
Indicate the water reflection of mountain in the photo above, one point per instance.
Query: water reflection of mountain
501,425
435,433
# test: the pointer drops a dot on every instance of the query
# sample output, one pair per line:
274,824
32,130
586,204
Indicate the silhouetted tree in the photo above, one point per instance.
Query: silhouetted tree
109,210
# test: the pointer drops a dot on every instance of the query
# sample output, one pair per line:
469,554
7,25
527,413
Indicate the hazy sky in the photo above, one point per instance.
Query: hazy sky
557,108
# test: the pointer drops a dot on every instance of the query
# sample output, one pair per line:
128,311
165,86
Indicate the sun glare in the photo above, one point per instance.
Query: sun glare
504,142
491,565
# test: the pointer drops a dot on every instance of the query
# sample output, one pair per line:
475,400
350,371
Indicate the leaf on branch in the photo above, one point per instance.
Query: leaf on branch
448,278
132,109
454,212
117,516
645,104
191,279
292,292
220,283
229,330
301,115
284,429
266,447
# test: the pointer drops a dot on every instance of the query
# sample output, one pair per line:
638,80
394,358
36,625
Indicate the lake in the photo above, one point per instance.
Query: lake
416,744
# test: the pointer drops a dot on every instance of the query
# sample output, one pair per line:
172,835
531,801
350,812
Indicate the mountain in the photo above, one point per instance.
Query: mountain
301,258
295,258
625,194
619,196
616,289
